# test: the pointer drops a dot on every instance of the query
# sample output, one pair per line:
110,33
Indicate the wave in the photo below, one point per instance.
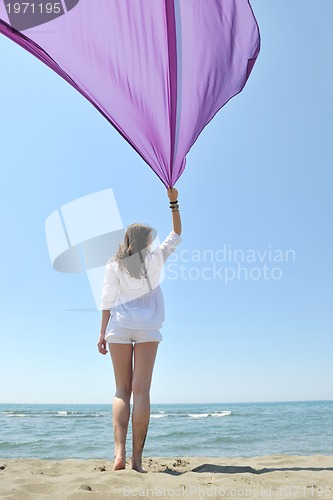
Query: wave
9,412
26,413
198,415
21,415
18,413
225,413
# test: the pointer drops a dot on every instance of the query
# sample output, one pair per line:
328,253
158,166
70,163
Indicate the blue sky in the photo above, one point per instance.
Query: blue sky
259,177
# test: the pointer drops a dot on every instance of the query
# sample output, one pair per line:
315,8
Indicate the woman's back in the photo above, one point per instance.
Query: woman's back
138,302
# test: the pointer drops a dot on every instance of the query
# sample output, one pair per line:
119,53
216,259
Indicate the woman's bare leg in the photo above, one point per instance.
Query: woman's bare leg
121,355
144,359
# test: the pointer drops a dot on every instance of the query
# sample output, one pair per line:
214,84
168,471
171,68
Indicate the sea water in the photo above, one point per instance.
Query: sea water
53,431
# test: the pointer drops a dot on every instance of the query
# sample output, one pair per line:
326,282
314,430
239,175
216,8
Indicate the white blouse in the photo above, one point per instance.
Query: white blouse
137,303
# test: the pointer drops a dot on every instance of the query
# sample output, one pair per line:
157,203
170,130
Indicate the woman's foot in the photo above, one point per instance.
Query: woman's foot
138,467
120,461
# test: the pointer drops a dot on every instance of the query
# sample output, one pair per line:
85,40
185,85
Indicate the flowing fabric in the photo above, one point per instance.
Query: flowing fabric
157,70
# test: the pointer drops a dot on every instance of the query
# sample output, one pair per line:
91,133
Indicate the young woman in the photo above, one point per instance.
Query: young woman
132,314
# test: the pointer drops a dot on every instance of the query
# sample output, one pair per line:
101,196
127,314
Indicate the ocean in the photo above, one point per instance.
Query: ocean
54,431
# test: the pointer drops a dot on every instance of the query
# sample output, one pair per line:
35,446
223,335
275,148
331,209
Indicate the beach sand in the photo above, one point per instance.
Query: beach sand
273,476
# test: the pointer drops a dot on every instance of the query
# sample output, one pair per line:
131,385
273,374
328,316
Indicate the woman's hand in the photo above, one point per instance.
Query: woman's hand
102,345
173,194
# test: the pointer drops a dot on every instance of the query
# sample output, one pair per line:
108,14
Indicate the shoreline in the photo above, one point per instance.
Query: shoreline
268,476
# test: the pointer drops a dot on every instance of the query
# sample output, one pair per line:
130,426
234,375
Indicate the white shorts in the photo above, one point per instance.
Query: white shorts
120,335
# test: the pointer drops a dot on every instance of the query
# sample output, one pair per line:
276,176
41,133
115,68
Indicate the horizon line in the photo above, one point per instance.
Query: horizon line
192,403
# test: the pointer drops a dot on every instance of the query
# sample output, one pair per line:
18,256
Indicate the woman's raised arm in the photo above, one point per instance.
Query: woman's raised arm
176,220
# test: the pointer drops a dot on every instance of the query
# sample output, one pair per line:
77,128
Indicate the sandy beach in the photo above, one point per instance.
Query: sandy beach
273,476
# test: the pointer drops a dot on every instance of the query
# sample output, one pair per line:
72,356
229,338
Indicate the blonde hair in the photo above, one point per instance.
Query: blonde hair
133,250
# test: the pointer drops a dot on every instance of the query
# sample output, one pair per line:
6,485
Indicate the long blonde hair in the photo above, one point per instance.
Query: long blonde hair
133,250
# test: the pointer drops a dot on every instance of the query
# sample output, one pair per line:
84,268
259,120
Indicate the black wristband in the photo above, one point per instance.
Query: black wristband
173,202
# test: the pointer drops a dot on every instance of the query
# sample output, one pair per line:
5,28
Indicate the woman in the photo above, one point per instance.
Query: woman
132,313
